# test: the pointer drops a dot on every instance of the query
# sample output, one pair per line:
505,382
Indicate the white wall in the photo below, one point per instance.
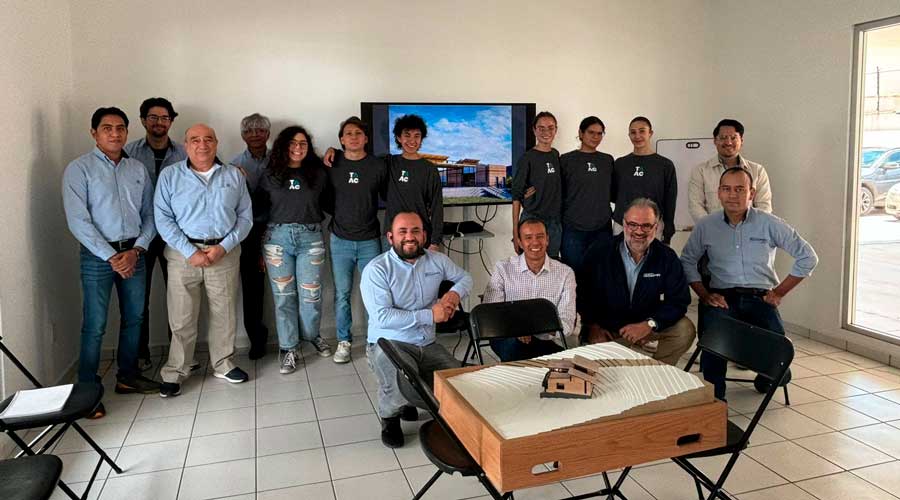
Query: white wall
784,69
313,62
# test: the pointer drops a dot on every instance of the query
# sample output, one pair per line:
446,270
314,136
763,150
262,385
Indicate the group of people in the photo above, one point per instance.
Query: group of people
215,226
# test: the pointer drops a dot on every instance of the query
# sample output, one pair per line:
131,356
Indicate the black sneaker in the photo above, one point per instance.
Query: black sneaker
195,367
391,432
235,376
136,385
167,390
409,413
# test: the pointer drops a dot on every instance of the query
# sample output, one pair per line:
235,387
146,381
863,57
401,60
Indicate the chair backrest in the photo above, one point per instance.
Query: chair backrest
31,378
763,351
411,374
518,318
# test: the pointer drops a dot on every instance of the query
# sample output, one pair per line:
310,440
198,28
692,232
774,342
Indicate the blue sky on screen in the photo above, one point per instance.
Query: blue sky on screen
463,131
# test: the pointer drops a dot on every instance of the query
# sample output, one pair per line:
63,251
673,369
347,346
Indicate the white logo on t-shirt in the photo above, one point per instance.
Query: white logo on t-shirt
550,169
638,171
591,167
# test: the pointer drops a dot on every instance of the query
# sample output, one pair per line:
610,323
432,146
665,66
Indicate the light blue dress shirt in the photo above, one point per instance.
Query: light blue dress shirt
744,255
140,150
187,207
399,295
253,166
107,202
632,268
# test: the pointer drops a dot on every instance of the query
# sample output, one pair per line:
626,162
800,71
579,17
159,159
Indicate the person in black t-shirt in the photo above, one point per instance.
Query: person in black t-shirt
355,181
645,174
587,193
536,185
289,199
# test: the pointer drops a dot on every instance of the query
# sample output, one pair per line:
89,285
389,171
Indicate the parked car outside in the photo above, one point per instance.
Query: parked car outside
879,172
892,201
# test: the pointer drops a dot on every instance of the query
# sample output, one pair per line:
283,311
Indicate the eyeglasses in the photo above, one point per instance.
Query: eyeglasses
160,119
546,129
634,226
726,138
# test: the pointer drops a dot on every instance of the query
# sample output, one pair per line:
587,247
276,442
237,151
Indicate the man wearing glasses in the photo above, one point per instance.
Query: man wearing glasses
704,184
633,290
740,242
155,150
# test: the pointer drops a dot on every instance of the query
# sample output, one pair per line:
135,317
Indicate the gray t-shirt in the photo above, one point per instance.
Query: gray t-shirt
354,187
540,170
587,189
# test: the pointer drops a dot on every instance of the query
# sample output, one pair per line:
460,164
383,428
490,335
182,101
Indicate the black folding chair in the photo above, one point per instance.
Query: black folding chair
518,318
29,478
82,402
458,323
438,441
765,352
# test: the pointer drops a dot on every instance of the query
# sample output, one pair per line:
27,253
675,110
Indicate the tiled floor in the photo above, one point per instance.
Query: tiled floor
314,435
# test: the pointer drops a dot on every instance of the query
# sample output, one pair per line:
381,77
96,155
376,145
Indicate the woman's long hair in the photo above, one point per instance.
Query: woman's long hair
311,166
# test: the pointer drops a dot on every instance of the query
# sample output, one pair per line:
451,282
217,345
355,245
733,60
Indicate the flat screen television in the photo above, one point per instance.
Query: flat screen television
474,146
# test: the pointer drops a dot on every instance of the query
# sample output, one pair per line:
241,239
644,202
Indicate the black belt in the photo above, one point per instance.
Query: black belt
739,290
208,241
121,246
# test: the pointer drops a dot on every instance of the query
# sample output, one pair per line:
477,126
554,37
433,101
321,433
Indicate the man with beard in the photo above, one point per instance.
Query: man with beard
156,151
532,275
400,291
633,289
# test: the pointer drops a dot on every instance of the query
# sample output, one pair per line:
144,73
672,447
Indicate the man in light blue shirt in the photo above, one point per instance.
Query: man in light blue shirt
400,291
255,133
108,201
741,242
156,151
202,210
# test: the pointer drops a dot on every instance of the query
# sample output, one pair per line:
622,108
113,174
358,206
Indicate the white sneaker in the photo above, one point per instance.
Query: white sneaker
343,352
651,346
288,362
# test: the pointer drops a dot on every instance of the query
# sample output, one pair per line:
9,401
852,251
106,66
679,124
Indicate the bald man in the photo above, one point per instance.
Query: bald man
202,211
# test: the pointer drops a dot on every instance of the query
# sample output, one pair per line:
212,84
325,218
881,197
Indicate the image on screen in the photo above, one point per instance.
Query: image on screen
473,146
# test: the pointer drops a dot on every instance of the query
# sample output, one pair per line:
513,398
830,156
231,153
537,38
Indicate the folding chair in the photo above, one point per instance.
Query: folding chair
81,403
765,352
438,441
518,318
29,478
458,323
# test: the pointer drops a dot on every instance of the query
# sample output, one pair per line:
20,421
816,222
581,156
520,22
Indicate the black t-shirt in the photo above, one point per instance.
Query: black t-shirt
587,189
354,186
159,156
648,176
293,201
540,170
415,186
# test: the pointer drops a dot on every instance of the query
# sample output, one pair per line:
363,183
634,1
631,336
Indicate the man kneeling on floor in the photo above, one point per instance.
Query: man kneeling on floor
400,291
633,290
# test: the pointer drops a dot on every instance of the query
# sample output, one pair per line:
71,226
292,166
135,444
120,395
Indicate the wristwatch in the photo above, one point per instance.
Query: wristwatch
652,324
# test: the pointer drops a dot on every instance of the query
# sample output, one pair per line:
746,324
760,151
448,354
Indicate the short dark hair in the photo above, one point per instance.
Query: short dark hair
406,212
590,120
543,114
355,121
530,220
732,170
409,122
730,122
101,112
642,203
641,119
161,102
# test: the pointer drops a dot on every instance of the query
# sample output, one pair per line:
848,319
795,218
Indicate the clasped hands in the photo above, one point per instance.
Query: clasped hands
123,262
636,333
205,257
443,309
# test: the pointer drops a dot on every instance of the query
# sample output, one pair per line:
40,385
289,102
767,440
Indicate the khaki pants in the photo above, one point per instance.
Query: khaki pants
673,341
186,288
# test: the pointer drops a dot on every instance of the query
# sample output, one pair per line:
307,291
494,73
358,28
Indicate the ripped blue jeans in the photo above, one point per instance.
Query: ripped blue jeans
294,255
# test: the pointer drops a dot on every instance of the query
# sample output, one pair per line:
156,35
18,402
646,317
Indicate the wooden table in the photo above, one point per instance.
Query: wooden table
687,423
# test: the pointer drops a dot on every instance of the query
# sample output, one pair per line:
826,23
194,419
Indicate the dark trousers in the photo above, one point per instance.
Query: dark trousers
151,256
744,307
575,244
513,349
253,283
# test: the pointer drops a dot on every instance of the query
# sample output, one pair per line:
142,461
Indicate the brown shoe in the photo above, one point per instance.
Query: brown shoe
99,412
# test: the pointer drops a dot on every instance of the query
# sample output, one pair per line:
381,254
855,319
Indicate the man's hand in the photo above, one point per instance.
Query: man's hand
596,334
715,300
440,312
123,263
773,298
199,259
214,253
636,332
525,340
451,300
530,192
328,157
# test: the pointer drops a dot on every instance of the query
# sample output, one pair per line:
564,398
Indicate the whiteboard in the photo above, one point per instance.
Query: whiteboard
685,154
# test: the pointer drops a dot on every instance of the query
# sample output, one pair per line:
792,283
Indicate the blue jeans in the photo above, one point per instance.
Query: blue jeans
575,244
97,280
747,308
295,252
554,233
347,255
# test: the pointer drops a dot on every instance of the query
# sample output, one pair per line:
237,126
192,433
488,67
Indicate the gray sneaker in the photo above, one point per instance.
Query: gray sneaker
289,362
322,347
343,352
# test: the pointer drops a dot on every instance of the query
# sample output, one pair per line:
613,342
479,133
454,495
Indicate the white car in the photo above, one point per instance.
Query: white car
892,201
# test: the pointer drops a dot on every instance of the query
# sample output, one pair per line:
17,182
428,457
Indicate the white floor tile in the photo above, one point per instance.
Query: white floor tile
317,491
783,492
882,437
78,467
321,368
281,393
798,395
823,365
791,461
357,459
666,481
220,422
218,480
446,487
791,424
160,429
853,359
411,454
110,435
390,485
886,476
162,485
873,406
288,438
221,448
844,486
834,415
78,489
291,412
828,387
153,457
843,450
747,475
761,435
336,386
343,406
867,381
589,484
350,429
291,469
156,407
241,397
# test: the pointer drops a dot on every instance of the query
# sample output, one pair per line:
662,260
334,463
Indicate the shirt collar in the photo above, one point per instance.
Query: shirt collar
392,253
626,253
100,154
146,143
747,218
741,162
216,162
523,264
263,157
